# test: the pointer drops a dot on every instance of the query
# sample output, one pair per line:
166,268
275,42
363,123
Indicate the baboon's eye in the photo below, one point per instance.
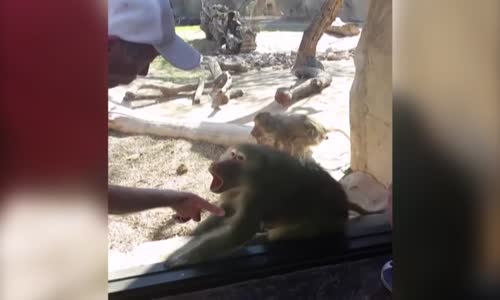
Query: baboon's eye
233,153
240,157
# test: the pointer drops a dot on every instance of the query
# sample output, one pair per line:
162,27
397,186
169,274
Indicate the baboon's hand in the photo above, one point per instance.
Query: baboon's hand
175,262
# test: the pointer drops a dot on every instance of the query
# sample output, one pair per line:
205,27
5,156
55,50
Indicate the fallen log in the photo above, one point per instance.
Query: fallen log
234,66
169,89
199,92
128,121
286,96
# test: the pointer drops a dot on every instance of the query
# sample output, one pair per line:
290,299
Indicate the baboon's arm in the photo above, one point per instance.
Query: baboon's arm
219,241
212,222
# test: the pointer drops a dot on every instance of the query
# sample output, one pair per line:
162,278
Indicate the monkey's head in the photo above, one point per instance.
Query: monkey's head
227,171
263,119
316,131
262,122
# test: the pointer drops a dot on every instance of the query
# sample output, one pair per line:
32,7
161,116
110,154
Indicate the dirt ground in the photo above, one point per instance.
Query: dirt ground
144,161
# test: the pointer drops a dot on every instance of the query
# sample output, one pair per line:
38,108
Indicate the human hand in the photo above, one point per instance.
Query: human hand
188,206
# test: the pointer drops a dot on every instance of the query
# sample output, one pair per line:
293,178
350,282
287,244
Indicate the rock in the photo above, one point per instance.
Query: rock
261,60
331,56
129,96
134,156
227,28
338,55
181,170
312,68
371,96
278,60
365,190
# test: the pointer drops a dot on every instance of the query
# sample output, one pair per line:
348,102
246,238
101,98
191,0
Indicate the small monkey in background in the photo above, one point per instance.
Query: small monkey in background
261,187
291,133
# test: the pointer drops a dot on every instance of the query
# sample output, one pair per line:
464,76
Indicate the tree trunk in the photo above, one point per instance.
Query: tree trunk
306,56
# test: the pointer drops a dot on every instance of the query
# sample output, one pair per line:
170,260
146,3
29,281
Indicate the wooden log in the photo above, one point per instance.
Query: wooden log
199,92
214,67
234,66
286,96
169,89
126,120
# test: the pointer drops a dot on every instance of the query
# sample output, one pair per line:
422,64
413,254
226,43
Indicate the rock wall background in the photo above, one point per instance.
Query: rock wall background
353,10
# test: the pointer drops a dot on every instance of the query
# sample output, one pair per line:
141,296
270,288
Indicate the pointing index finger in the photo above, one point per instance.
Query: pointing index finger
203,204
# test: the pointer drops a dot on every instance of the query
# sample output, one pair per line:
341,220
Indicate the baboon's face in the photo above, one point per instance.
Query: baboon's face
226,172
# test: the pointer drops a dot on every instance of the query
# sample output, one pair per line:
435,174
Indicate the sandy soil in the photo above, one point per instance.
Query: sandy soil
143,161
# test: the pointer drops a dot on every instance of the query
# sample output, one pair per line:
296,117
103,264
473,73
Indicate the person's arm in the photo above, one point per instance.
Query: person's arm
123,200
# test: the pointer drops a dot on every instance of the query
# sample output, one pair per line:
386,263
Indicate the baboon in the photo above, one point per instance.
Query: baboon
261,187
291,133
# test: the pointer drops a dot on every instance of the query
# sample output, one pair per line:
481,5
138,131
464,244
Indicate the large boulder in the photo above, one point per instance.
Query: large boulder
371,95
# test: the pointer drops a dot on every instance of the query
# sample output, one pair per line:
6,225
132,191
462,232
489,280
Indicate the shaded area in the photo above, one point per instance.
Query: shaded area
356,280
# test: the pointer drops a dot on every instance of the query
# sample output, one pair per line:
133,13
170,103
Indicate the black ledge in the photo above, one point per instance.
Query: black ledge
366,237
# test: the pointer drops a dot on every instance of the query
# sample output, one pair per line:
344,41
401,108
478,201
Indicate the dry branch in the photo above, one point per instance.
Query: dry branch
214,67
199,91
220,93
168,89
126,120
286,96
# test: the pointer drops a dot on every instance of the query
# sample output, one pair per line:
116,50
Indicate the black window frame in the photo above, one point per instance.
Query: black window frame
366,237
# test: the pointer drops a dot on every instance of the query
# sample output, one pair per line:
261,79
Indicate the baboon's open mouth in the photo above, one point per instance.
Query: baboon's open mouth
217,181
